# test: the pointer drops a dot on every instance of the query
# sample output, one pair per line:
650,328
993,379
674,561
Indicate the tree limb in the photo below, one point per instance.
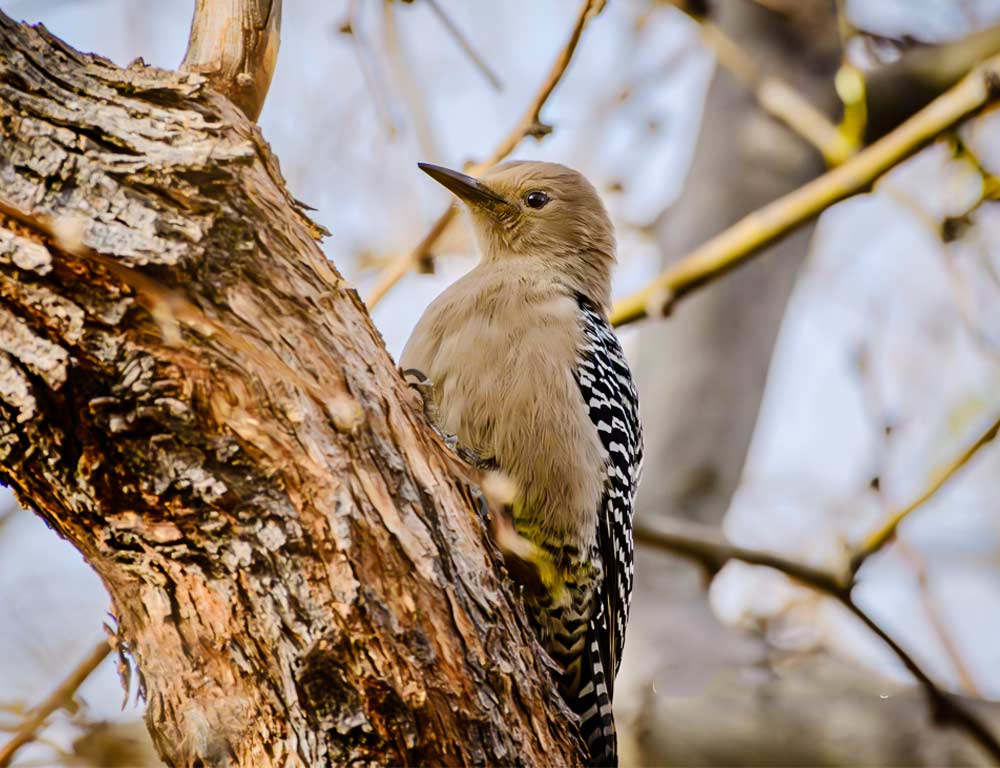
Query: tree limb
191,396
530,124
234,44
748,236
937,622
712,550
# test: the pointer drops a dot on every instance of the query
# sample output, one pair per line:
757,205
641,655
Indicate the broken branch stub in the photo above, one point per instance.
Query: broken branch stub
234,44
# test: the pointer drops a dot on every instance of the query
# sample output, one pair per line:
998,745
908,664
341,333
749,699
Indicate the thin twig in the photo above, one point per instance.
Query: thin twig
778,98
931,608
944,707
7,512
530,124
367,63
874,542
60,697
407,86
466,46
748,236
875,407
713,551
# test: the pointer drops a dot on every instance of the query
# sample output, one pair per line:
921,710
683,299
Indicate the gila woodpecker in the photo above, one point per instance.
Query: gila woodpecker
527,373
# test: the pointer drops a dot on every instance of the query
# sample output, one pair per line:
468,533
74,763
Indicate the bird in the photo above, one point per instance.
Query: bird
523,369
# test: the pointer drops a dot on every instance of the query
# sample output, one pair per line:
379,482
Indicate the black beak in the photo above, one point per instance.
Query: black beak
465,187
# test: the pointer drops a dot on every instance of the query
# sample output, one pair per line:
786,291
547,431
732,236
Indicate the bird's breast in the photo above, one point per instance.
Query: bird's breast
504,378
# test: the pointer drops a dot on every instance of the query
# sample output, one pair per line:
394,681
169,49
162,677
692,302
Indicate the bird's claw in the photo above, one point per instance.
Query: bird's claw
418,381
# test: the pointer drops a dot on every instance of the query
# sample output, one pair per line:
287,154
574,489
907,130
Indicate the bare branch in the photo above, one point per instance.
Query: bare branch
530,124
407,86
874,542
751,234
932,609
234,43
466,46
60,697
945,708
713,551
368,64
778,98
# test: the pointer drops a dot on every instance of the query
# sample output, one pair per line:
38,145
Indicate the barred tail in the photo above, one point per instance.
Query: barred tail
574,631
586,691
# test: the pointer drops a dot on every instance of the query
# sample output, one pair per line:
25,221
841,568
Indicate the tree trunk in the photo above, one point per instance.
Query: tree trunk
191,396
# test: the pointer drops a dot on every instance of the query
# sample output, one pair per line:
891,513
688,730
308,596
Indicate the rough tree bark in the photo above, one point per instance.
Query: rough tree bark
192,397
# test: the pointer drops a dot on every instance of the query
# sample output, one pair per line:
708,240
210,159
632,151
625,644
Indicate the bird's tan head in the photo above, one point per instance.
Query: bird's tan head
540,212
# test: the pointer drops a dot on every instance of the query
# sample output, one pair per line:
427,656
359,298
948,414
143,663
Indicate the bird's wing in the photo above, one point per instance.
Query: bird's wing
609,393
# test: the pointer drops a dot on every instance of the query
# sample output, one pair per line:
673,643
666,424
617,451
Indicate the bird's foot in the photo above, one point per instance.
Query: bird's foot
418,381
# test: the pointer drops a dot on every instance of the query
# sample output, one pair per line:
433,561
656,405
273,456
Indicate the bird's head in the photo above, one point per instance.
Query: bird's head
545,213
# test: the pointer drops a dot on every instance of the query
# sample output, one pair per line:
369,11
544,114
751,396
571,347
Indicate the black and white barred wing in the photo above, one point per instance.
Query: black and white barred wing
606,385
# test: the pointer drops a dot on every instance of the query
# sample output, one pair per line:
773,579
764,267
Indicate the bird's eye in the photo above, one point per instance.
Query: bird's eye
536,199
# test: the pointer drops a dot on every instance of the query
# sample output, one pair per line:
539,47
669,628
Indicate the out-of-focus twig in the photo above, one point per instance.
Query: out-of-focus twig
530,124
234,44
932,609
712,551
877,414
465,45
944,707
61,696
407,85
7,513
367,63
748,236
778,98
874,542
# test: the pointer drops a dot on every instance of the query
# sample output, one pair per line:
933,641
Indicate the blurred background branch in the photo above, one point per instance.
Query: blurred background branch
368,66
879,538
748,236
62,696
467,48
937,621
778,98
712,552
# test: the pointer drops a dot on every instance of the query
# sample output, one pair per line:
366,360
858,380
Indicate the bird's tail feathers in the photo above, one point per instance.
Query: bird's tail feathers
586,691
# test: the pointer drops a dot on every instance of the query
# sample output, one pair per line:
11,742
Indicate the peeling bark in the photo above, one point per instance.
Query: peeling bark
192,397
